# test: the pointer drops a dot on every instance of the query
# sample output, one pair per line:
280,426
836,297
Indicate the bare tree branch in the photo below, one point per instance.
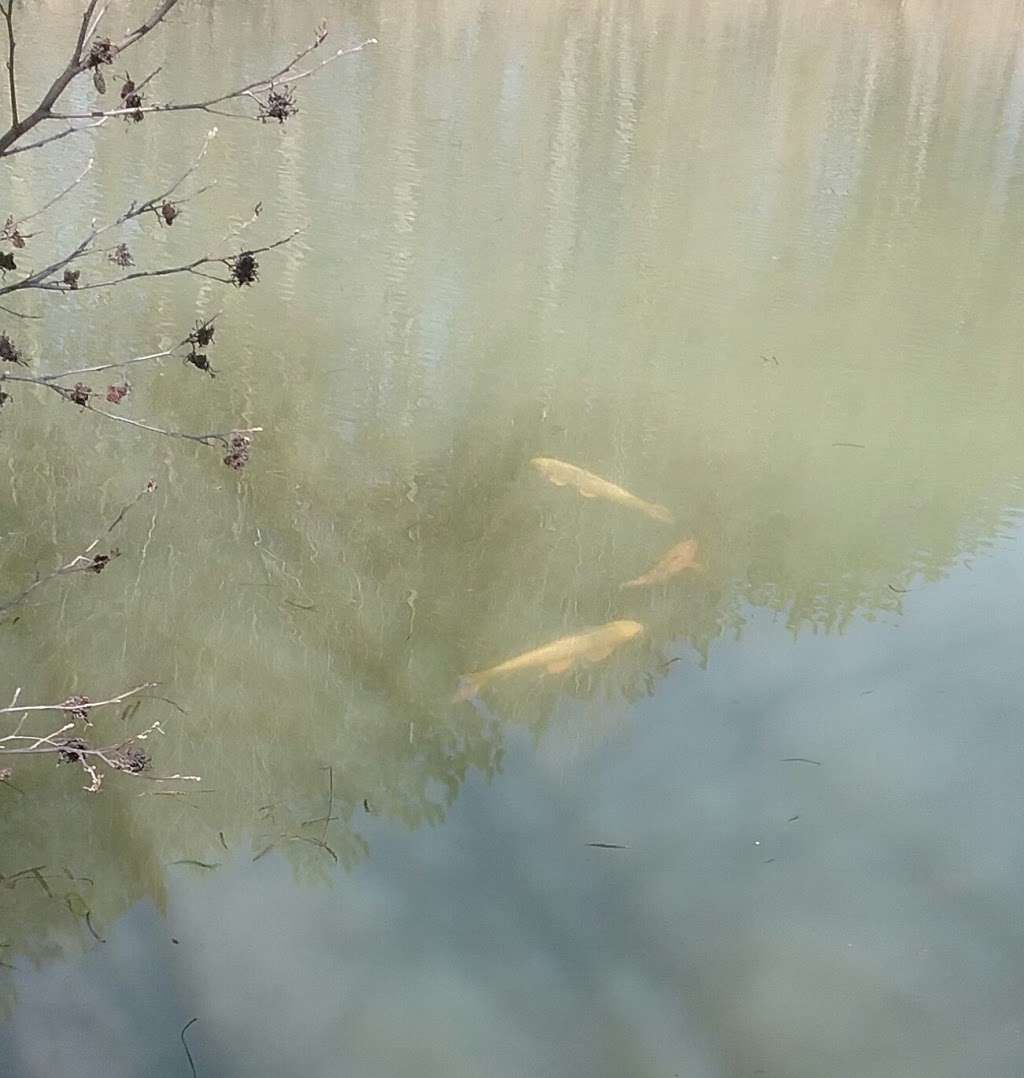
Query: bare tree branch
19,314
222,438
125,755
40,278
85,562
120,698
56,198
74,67
249,90
8,14
188,267
42,379
69,130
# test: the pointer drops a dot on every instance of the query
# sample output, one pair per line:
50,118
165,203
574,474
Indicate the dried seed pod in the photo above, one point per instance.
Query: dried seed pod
134,101
80,394
9,352
78,708
102,51
121,256
116,394
198,359
279,105
73,749
244,269
101,561
238,451
129,757
168,212
202,335
71,278
99,81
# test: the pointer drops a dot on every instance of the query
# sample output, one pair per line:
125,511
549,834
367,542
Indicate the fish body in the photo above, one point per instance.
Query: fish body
592,645
563,474
681,557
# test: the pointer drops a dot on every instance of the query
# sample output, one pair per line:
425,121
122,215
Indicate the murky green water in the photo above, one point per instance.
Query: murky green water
756,261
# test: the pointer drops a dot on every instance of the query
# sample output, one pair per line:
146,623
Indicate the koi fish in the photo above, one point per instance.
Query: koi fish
593,486
591,645
682,556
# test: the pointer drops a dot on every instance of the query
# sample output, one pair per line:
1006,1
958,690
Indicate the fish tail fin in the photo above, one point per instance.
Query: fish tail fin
660,512
469,687
637,583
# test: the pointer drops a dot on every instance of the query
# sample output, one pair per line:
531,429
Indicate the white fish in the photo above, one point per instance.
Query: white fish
589,485
592,645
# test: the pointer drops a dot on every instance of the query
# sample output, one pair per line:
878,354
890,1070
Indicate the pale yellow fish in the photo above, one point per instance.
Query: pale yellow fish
589,485
592,645
681,557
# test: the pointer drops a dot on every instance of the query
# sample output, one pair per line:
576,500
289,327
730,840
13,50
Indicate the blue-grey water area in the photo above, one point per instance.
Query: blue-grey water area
757,811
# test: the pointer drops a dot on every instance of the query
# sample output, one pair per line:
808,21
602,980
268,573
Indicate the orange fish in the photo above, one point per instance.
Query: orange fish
592,645
682,556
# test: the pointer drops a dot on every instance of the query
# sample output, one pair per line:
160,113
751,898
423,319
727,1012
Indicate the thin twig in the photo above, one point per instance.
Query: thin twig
8,13
72,69
64,706
40,278
19,314
56,198
88,923
85,562
56,136
184,1043
279,78
330,805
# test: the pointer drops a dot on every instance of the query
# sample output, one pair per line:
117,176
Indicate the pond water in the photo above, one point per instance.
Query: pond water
757,262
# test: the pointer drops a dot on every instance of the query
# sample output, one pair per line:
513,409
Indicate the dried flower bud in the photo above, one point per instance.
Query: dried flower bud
116,394
79,394
71,278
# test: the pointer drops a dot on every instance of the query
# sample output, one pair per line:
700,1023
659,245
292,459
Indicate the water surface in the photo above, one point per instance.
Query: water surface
758,262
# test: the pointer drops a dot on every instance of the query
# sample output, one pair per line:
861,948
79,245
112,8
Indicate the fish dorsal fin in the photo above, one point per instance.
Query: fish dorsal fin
599,654
559,666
